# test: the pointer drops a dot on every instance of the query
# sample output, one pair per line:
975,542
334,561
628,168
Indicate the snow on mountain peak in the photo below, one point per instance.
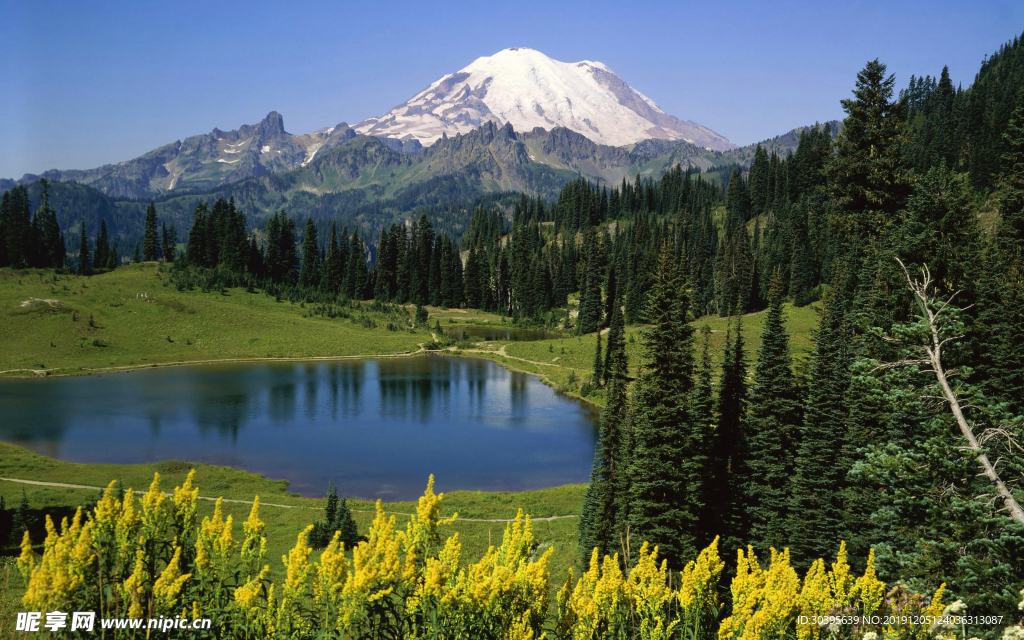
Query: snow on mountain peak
528,89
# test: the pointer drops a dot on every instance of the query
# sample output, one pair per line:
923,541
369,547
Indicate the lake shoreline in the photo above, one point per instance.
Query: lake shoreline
503,361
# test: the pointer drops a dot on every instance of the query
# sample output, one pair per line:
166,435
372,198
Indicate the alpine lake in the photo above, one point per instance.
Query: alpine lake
377,428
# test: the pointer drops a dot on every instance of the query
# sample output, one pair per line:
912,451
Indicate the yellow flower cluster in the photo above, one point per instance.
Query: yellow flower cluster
148,557
772,602
403,583
606,602
58,577
118,560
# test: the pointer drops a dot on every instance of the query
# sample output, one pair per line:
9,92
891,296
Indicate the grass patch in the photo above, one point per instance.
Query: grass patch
134,316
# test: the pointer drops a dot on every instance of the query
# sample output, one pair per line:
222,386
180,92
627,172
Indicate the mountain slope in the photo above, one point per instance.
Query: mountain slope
365,179
527,89
207,161
493,157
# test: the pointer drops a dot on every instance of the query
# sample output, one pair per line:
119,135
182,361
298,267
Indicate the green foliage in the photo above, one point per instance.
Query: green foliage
309,272
819,474
337,518
603,520
150,239
725,514
771,430
668,461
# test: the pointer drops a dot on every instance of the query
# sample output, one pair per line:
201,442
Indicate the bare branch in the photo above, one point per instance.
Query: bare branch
933,350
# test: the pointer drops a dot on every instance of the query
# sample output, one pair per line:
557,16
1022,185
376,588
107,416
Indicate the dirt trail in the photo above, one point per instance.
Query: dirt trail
67,485
501,352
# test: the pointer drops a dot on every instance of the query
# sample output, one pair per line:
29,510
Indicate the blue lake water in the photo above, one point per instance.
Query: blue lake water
377,428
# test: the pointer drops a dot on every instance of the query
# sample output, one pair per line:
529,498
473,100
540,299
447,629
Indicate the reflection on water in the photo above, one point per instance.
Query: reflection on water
375,427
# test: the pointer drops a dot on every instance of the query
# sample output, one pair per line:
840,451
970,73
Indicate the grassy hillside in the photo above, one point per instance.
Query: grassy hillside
134,317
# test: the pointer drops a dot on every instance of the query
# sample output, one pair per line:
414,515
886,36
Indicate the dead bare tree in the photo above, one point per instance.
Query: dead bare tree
931,356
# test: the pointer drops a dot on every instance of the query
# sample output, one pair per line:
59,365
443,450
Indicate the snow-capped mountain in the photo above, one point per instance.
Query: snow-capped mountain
526,88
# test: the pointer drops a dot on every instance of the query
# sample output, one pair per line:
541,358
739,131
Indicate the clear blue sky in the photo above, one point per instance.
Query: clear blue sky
87,83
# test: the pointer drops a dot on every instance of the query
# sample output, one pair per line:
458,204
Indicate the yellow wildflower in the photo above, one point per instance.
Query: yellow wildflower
134,587
27,559
840,579
169,584
297,565
698,584
184,500
331,571
254,543
248,594
868,591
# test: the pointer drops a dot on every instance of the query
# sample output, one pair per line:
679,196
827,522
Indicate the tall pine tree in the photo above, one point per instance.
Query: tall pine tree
771,427
150,238
668,460
819,476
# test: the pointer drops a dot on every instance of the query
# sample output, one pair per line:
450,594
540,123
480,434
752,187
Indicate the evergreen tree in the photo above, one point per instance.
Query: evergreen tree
333,269
703,391
598,362
309,272
616,347
150,238
84,266
17,228
355,272
771,428
734,266
281,257
668,460
23,519
611,295
169,237
729,450
101,257
604,520
815,512
346,525
49,251
195,246
589,319
868,179
337,519
1002,317
5,523
704,418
